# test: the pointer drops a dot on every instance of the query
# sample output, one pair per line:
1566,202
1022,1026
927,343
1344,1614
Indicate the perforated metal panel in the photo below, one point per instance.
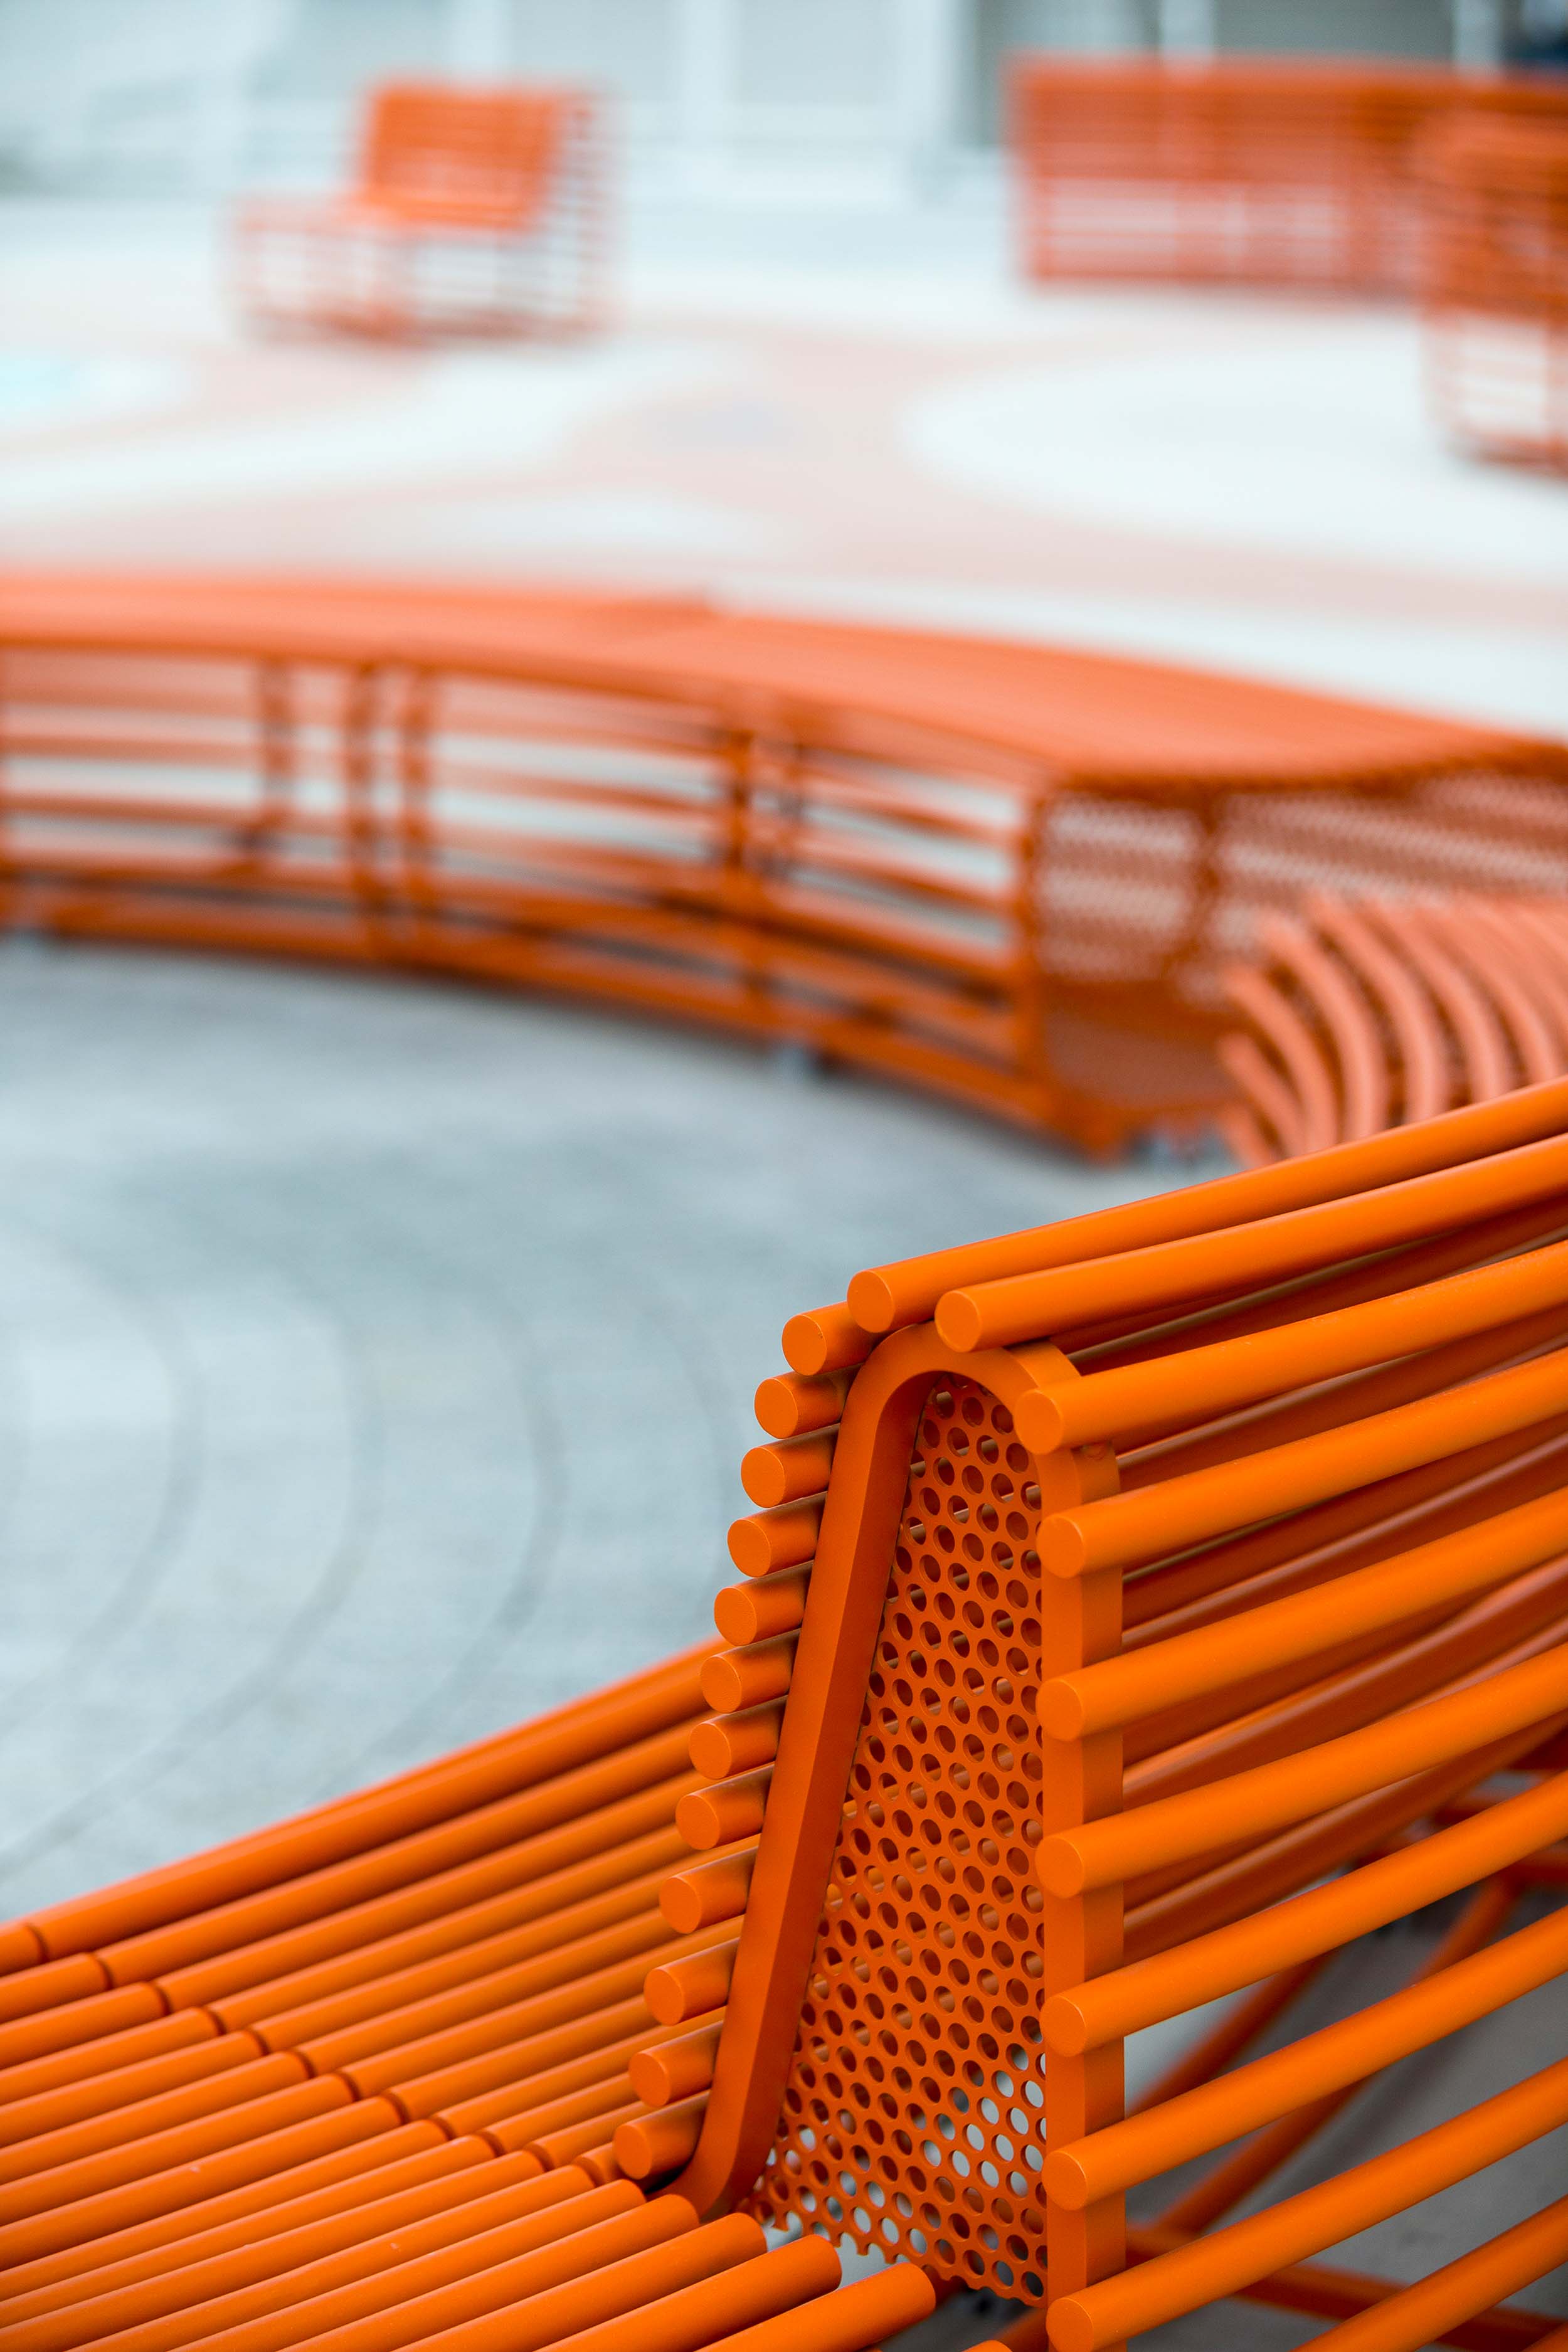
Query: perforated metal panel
913,2115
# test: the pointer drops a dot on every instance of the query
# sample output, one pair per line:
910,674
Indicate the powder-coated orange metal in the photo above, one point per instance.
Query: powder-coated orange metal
473,212
1495,287
1250,171
1006,872
1362,1014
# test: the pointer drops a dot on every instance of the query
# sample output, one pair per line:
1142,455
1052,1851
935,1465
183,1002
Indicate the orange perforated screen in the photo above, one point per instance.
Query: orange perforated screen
914,2116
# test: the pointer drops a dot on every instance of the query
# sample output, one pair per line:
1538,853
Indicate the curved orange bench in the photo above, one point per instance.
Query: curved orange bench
1495,285
1252,171
1010,874
1362,1014
1135,1614
476,211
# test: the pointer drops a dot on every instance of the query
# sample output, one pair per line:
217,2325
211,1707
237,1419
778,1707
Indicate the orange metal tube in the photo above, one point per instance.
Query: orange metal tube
676,2067
111,2054
708,1892
780,2282
1231,1372
1308,1926
762,1610
883,1298
555,1744
245,2222
1207,2117
850,2320
111,2140
1002,1312
825,1339
723,1746
97,2111
403,1970
1125,1529
610,1959
765,1541
405,2301
1208,2268
529,2090
679,1989
565,1821
444,1906
273,2094
750,1674
63,2002
1424,2312
587,2144
466,2179
157,2176
1280,1633
725,1813
1259,2158
788,1471
1296,1788
459,2090
662,2140
584,2006
673,2254
790,1403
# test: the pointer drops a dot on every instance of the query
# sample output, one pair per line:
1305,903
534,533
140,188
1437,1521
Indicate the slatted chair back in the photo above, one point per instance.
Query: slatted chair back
1268,171
1495,285
449,155
1136,1627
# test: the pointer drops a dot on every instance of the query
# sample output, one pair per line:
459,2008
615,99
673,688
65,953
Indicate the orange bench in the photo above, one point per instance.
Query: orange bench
1495,287
1250,171
1134,1618
1359,1015
1011,874
473,211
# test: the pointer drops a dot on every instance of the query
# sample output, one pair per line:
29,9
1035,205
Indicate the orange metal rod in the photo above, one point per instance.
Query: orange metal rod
778,2283
309,2194
1123,1530
886,1297
179,2168
649,1840
1297,1787
680,2255
1307,1926
1231,1372
852,2320
581,1811
639,1708
1208,2268
371,2296
1424,2312
1281,1633
1224,2187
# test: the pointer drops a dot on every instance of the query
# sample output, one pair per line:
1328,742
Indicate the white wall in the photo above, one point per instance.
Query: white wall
219,92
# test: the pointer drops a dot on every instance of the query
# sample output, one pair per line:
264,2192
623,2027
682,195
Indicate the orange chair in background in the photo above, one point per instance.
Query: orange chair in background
1236,171
474,212
1495,287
